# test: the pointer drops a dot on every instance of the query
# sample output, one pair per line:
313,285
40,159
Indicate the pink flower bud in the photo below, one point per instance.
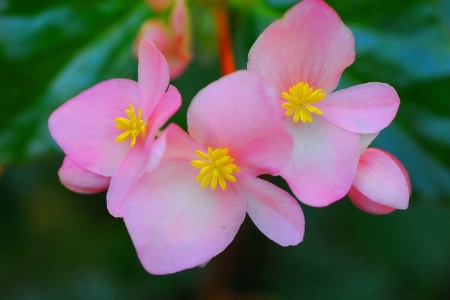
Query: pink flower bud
174,40
381,183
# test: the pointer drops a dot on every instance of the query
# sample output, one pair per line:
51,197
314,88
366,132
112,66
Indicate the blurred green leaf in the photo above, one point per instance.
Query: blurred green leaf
402,59
22,37
108,55
445,13
430,126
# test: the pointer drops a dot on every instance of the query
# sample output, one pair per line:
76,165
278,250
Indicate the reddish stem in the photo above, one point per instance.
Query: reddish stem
226,56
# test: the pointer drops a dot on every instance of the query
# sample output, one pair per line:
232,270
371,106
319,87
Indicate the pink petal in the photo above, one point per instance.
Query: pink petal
276,213
381,179
127,174
165,40
175,144
179,19
157,32
309,44
169,104
402,168
80,180
174,223
153,73
236,112
367,205
180,22
84,126
323,163
365,108
141,156
174,40
146,159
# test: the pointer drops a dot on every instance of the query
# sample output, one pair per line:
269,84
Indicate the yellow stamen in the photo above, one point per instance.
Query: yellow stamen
216,167
299,100
133,126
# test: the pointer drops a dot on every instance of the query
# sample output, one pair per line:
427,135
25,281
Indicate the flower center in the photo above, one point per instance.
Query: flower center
299,100
133,126
216,166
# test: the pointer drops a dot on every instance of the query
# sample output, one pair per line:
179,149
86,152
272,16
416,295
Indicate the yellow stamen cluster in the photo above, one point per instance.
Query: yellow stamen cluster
216,166
133,126
299,100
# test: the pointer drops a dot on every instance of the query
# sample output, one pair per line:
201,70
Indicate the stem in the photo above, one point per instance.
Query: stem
226,56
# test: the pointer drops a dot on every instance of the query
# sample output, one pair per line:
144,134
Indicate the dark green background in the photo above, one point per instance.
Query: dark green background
56,244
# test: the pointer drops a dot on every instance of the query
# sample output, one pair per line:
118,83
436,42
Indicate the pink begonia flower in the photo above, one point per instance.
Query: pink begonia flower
381,183
189,207
173,41
303,56
104,129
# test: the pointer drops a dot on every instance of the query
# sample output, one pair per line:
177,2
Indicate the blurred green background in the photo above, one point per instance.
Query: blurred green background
55,244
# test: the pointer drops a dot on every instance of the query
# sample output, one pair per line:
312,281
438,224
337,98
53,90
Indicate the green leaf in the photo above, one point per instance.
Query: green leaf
23,36
402,58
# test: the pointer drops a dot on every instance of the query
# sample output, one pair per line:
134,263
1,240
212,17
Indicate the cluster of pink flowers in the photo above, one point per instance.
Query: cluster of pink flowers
183,196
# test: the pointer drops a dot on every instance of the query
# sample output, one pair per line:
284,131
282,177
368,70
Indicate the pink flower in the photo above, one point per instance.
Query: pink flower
303,56
104,129
188,209
173,41
381,184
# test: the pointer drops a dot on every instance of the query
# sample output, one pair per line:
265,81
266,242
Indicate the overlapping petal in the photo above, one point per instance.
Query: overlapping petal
153,76
84,126
174,223
126,175
309,44
367,205
364,108
323,162
156,31
276,213
382,179
80,180
237,112
169,104
182,146
136,161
